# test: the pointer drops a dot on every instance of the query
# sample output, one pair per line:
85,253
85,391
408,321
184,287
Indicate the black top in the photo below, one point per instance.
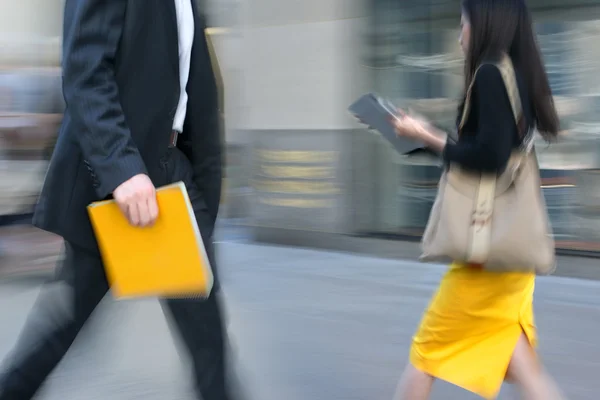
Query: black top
490,132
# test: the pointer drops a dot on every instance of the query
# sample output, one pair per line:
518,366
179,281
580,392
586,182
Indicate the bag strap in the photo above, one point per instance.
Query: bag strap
481,219
512,89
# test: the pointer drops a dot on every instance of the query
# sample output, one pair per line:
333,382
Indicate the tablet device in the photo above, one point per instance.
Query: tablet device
378,113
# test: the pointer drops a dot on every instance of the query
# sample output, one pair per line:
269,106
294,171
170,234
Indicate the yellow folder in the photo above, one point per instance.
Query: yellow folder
167,259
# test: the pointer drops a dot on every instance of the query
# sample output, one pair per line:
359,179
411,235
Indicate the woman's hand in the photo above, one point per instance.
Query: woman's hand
420,130
411,127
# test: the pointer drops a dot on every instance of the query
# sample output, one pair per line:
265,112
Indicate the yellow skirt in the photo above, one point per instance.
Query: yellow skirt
469,332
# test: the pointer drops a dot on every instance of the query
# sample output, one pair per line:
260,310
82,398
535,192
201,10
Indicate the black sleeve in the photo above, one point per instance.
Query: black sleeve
202,140
489,150
208,151
92,30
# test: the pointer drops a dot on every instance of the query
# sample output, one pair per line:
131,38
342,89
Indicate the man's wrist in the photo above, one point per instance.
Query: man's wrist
111,175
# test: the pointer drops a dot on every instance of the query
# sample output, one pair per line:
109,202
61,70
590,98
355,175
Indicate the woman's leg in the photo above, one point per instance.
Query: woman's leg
414,385
526,371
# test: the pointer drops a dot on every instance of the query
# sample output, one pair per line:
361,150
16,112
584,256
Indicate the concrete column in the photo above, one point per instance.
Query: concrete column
299,58
301,70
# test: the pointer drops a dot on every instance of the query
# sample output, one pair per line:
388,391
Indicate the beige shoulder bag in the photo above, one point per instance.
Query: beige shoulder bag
499,221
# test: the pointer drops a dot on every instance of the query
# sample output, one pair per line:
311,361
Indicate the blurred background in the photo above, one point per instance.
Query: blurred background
296,161
301,172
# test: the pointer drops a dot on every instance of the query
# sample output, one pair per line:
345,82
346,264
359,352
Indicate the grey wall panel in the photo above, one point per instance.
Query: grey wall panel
302,76
289,77
300,180
286,12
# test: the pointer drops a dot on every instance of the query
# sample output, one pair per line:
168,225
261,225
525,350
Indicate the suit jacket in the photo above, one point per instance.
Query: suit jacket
121,88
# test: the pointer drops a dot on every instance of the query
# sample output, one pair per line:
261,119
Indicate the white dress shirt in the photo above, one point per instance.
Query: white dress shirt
185,28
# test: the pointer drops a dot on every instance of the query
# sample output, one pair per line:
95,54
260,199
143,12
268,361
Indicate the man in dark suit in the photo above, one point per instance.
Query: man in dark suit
141,112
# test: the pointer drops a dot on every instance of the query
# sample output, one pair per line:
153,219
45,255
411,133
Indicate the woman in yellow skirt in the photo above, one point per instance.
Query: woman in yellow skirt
479,329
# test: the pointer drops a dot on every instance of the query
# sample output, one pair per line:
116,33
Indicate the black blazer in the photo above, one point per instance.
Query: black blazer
121,88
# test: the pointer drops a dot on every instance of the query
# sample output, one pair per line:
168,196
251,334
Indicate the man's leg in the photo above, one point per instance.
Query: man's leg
200,326
60,312
199,321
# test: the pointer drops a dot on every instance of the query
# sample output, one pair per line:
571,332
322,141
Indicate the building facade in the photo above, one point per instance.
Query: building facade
314,169
296,160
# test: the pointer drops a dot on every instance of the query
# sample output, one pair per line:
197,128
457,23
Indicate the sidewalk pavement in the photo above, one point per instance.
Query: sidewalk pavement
304,324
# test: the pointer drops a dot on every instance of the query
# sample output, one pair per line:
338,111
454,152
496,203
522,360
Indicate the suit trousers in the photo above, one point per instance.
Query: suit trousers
66,302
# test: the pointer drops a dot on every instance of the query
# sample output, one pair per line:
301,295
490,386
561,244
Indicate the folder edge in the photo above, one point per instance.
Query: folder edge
210,279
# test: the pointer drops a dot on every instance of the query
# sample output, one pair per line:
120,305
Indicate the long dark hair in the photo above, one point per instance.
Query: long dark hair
505,27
